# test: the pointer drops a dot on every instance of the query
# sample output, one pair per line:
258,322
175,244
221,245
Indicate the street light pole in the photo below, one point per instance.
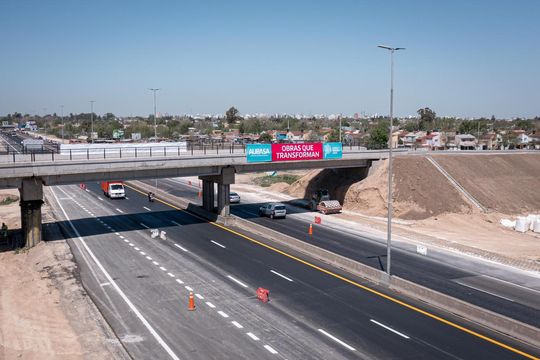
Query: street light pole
92,120
155,124
339,127
389,231
62,117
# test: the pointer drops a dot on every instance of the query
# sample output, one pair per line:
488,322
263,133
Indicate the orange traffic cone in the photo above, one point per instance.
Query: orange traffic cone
191,305
310,232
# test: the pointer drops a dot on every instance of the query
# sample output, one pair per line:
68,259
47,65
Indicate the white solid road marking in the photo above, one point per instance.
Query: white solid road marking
218,244
199,296
271,349
175,223
171,275
188,288
278,274
237,281
162,268
179,281
223,314
105,284
485,291
181,248
210,304
389,329
145,208
237,324
253,336
143,225
337,340
120,211
117,288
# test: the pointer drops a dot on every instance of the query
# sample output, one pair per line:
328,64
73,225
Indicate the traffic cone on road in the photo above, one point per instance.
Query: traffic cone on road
310,232
191,305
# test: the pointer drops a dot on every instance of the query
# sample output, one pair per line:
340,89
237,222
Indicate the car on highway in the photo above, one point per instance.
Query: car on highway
234,198
274,210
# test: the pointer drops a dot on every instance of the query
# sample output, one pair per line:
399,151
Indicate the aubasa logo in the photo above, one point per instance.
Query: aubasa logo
259,151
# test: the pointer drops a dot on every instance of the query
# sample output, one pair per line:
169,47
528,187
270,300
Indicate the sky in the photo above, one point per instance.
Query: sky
462,58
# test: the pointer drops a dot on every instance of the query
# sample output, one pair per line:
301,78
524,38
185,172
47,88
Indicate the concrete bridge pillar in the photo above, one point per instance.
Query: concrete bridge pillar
208,195
224,181
31,193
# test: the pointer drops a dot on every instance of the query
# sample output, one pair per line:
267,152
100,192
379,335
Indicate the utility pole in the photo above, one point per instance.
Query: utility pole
155,124
62,117
389,231
92,120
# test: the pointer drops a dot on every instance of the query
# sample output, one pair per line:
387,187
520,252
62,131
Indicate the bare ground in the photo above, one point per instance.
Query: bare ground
45,313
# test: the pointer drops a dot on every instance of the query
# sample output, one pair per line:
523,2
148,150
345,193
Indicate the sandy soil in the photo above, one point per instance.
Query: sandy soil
45,312
10,214
509,183
434,211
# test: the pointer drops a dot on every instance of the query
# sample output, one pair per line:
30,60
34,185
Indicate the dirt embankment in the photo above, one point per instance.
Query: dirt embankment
508,184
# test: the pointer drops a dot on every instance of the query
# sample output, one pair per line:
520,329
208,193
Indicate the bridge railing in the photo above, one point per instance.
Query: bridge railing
133,152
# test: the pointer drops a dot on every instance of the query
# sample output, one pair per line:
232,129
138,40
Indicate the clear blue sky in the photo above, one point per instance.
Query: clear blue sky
463,58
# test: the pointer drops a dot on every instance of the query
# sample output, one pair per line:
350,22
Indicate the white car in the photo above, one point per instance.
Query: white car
273,210
234,198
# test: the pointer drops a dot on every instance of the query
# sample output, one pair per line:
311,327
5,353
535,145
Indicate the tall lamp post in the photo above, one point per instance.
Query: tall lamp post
389,231
62,117
92,120
155,124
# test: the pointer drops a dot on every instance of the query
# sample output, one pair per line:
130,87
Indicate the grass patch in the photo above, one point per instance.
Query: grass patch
267,180
8,200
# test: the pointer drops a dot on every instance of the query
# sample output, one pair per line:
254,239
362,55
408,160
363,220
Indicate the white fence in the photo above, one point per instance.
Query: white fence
142,148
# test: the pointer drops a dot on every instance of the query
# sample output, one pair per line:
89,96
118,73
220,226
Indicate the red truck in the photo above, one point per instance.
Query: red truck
113,189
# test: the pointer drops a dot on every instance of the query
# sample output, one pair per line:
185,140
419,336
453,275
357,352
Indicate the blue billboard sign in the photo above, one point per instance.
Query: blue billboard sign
259,152
333,150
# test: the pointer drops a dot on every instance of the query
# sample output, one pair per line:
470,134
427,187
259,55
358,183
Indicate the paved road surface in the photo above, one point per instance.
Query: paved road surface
486,291
311,315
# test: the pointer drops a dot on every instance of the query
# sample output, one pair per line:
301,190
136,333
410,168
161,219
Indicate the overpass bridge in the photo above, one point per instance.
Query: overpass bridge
29,173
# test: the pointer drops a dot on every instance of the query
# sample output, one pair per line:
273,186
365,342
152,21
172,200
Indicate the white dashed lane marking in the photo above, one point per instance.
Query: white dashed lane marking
147,209
271,349
237,281
199,296
223,314
253,336
218,244
180,247
175,223
237,324
210,304
337,340
143,225
390,329
188,288
120,211
281,275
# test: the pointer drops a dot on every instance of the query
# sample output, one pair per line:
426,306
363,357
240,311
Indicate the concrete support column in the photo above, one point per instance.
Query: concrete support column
223,208
208,195
224,180
31,193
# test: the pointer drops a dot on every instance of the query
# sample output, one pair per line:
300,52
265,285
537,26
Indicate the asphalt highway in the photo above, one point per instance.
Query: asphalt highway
141,285
501,297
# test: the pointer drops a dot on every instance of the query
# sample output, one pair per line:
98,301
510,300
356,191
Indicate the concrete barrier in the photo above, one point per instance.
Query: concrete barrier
511,327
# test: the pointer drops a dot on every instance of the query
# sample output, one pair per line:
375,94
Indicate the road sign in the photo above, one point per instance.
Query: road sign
259,152
290,152
333,150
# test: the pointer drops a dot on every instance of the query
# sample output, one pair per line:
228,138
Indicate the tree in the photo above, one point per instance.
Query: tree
265,138
427,119
231,115
378,136
333,136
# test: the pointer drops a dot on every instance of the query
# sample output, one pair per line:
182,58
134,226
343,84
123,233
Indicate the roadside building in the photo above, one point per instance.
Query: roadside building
465,142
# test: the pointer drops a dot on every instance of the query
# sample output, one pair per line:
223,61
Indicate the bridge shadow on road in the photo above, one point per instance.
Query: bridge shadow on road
90,226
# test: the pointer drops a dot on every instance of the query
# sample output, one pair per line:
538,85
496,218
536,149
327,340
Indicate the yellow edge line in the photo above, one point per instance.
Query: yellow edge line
328,272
